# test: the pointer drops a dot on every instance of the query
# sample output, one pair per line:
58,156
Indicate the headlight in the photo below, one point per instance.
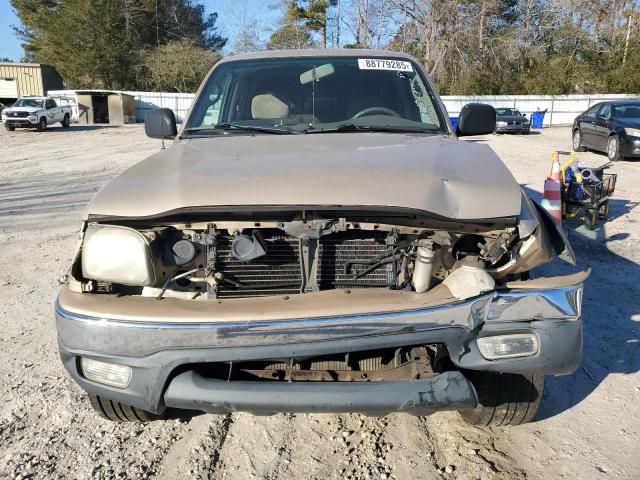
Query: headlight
632,132
525,122
501,124
117,254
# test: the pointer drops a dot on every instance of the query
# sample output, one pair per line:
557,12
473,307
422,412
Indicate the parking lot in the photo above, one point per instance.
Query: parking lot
588,423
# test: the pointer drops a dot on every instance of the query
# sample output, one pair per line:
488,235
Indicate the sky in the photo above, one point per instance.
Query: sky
9,45
231,15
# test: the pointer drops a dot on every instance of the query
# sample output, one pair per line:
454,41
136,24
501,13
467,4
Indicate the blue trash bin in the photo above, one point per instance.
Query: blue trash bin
537,119
454,123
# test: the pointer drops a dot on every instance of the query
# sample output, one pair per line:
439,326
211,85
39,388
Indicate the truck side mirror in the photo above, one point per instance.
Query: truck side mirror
476,119
160,123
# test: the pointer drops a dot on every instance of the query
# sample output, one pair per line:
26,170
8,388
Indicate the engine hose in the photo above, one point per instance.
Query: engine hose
373,267
244,286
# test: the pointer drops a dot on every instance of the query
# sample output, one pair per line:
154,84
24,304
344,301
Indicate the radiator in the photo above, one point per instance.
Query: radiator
279,273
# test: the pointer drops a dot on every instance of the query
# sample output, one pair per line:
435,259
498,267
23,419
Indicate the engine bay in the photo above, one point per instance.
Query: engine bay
240,259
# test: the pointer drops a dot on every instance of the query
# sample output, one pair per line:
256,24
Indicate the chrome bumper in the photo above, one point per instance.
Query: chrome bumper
103,336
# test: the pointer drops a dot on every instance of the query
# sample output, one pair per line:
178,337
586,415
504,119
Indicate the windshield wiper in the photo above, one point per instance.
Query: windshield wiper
352,127
234,126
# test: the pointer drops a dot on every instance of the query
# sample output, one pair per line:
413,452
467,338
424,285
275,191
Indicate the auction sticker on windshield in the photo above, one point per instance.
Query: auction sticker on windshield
382,64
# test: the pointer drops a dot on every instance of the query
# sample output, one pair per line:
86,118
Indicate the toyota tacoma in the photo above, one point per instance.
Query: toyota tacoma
318,239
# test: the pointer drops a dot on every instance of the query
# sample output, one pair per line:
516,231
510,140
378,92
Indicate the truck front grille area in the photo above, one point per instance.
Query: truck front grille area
277,273
391,364
341,258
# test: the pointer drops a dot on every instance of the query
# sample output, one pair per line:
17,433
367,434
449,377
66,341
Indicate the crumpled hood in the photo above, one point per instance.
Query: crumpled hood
437,174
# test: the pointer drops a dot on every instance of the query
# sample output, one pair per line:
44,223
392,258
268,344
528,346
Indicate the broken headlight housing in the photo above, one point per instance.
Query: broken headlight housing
117,254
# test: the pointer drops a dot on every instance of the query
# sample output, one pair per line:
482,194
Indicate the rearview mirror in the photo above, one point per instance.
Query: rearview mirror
476,119
160,123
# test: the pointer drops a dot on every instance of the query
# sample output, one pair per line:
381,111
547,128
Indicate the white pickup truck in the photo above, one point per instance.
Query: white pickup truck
38,112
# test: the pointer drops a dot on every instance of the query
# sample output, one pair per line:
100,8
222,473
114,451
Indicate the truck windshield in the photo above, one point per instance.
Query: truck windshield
29,102
316,95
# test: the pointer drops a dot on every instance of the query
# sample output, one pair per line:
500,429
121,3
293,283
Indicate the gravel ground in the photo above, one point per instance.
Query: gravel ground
587,427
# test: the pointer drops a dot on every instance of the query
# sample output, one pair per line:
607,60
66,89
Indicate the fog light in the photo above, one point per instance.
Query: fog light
508,346
107,373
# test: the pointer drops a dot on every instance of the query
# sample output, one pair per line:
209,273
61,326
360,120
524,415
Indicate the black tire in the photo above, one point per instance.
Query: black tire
613,149
9,128
119,412
42,125
504,398
576,138
66,121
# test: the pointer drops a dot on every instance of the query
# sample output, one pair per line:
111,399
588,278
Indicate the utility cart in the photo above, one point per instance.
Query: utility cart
586,191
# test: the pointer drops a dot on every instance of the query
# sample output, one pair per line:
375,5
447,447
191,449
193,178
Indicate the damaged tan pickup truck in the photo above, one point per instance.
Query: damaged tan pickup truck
317,239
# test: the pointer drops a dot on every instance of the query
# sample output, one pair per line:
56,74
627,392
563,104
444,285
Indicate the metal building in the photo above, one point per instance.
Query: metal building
19,79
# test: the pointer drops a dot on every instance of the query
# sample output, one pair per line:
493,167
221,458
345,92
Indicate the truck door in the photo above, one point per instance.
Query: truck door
52,112
587,125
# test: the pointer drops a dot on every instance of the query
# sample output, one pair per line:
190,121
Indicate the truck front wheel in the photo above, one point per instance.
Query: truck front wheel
66,121
504,398
9,128
119,412
42,125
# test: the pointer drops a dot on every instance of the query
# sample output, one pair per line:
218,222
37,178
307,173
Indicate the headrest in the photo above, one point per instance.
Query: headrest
268,106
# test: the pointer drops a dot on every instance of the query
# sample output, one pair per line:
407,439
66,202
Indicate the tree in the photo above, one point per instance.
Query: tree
290,36
177,66
99,43
313,14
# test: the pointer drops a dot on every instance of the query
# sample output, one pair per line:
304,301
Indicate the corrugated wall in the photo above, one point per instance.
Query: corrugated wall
28,77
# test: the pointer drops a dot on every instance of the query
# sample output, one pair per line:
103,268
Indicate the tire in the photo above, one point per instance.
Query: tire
9,128
119,412
504,398
42,125
577,141
613,148
66,121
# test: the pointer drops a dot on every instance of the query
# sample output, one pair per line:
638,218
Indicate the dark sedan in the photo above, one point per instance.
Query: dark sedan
610,127
510,120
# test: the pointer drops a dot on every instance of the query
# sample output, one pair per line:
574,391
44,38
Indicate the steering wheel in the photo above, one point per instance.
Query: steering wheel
371,110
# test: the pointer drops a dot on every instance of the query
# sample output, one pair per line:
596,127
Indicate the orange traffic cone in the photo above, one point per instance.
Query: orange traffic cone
551,200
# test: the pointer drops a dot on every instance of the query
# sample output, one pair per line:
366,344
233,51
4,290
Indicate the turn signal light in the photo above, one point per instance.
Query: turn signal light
111,374
508,346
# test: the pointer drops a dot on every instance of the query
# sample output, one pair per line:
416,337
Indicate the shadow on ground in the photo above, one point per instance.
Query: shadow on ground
73,128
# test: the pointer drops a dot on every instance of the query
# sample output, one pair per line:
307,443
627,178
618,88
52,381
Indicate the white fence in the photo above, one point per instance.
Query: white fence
178,102
561,109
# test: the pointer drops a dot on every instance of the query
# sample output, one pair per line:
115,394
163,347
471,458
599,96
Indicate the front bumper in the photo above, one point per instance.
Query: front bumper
22,122
513,129
160,353
631,147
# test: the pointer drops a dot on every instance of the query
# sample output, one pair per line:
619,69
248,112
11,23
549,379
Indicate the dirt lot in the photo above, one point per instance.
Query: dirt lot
587,427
